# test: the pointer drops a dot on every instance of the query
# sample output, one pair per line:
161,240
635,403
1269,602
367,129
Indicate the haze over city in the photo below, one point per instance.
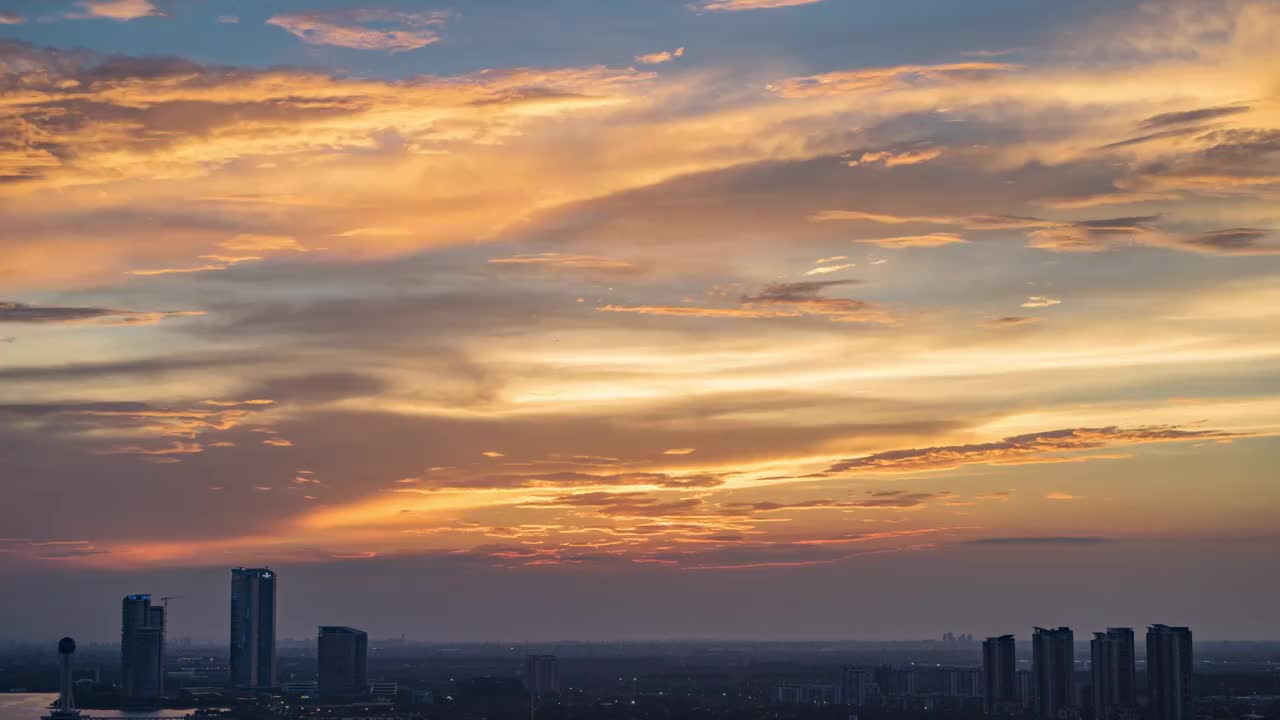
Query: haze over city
554,320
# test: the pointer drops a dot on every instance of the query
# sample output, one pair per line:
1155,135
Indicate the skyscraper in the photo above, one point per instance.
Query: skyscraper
1169,672
341,659
253,628
1114,674
999,663
1053,662
542,675
141,648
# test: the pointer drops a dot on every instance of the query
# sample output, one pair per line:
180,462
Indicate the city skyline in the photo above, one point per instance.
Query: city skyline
741,319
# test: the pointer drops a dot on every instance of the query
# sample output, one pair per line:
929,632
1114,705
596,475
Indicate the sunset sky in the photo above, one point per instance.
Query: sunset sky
536,319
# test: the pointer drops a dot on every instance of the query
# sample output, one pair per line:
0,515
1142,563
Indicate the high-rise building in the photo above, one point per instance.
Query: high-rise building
341,660
141,648
1025,682
1169,672
961,682
999,663
253,628
1113,672
542,675
1053,662
857,685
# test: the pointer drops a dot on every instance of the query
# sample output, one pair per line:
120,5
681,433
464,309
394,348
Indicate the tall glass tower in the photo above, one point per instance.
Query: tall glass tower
1053,662
341,661
253,628
999,670
1114,674
141,648
1169,672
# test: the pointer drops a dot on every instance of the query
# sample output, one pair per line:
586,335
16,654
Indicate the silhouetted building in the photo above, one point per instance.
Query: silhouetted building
999,665
1053,662
1169,672
542,675
141,648
896,681
1113,673
961,682
1025,685
253,628
857,685
341,660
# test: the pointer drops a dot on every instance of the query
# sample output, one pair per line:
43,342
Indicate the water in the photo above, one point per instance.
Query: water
30,706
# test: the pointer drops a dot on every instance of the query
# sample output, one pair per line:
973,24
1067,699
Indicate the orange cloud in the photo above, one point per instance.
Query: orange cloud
660,57
121,10
915,241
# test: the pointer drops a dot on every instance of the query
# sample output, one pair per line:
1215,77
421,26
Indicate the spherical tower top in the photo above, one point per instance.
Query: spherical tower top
66,646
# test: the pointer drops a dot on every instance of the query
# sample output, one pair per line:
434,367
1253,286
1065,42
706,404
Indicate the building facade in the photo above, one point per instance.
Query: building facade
142,656
999,666
253,628
896,681
341,661
1113,674
1053,662
857,685
542,675
1169,665
961,682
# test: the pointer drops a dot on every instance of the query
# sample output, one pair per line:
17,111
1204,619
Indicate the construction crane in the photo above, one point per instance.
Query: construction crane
167,598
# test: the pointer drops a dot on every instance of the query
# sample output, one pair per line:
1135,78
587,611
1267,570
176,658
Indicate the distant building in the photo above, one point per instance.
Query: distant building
1169,665
341,661
142,660
1025,684
301,688
822,694
1113,673
896,681
542,675
1053,662
961,682
857,686
253,628
999,664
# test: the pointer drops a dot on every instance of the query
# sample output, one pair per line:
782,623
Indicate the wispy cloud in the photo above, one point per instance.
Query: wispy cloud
741,5
562,260
1019,449
658,58
901,242
14,312
365,28
1042,540
1040,301
847,82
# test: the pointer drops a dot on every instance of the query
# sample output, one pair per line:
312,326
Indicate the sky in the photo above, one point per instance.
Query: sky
567,319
